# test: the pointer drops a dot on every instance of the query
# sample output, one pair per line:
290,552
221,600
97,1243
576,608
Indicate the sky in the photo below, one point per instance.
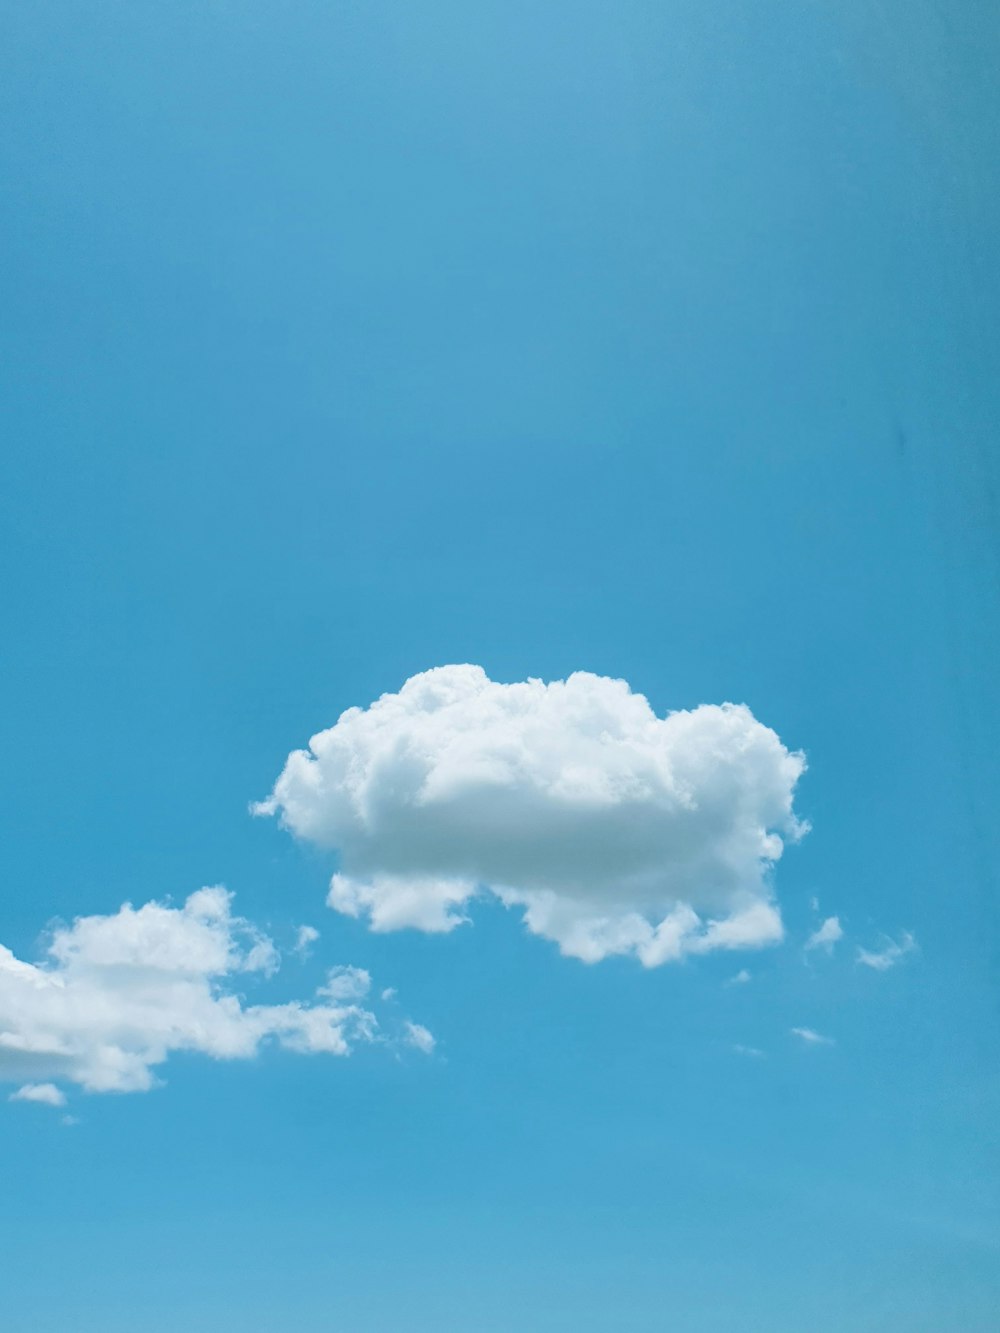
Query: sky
599,400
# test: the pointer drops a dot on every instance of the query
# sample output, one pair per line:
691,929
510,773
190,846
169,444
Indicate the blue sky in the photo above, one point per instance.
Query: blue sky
346,341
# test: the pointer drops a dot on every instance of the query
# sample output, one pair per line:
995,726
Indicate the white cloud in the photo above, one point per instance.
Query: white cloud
614,831
417,1035
812,1038
740,979
346,983
881,960
117,994
751,1052
305,938
827,935
46,1093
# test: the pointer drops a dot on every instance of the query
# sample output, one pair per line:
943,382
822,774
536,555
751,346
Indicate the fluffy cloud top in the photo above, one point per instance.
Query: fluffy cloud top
118,993
614,830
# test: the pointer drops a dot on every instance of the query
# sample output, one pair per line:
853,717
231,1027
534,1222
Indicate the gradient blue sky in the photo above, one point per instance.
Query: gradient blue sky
341,341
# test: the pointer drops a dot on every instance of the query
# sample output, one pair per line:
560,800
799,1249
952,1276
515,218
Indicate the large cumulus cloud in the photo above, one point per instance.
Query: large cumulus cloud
614,830
118,993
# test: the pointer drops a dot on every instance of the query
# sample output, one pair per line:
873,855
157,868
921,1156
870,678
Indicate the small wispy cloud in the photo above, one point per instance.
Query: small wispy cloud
304,940
346,983
45,1093
826,936
751,1052
420,1037
812,1038
882,959
740,979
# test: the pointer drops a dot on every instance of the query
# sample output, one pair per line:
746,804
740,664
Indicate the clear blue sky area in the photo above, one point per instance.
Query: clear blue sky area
345,340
